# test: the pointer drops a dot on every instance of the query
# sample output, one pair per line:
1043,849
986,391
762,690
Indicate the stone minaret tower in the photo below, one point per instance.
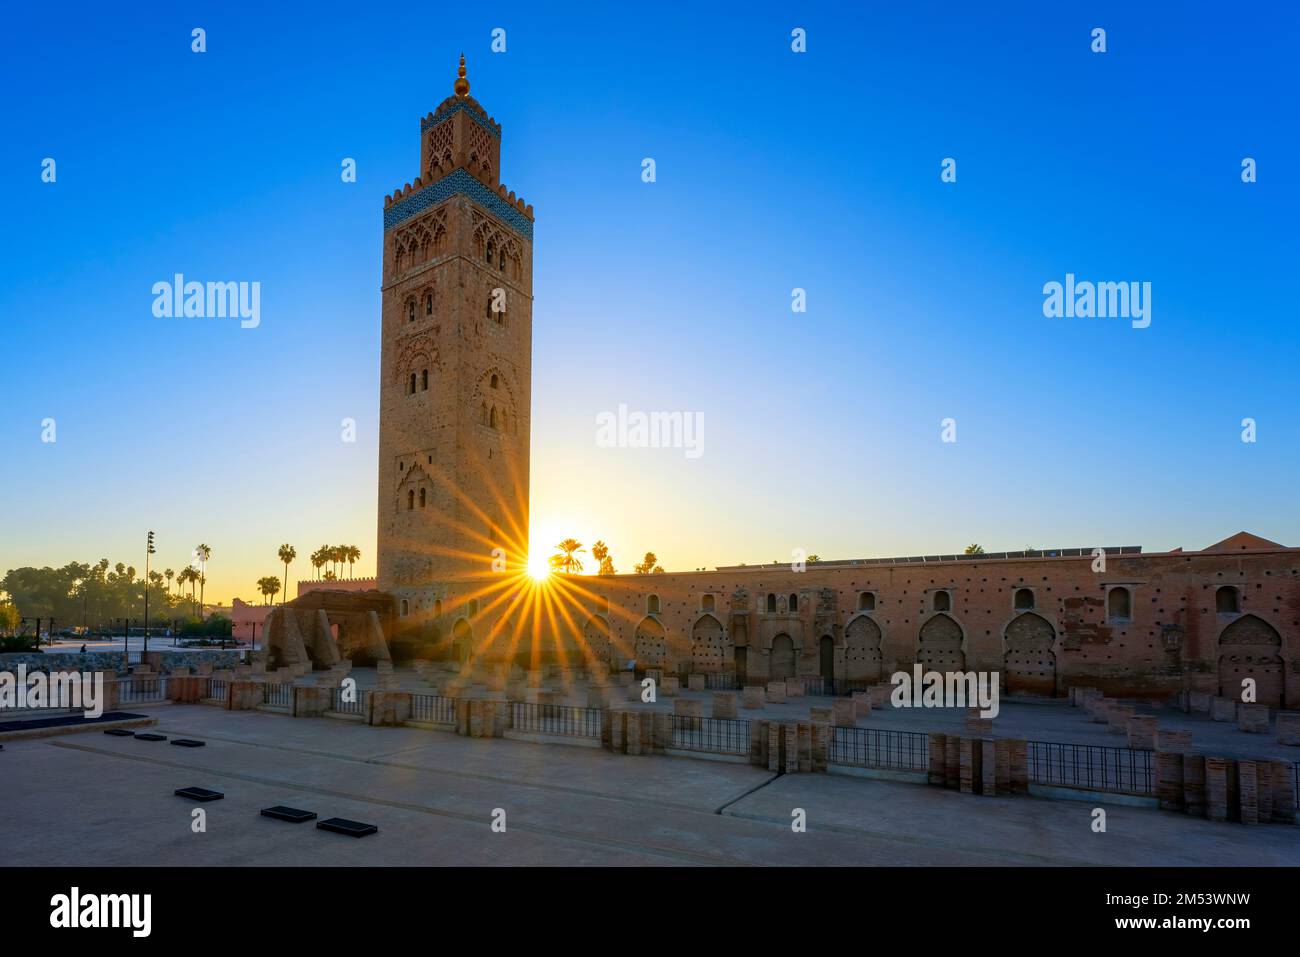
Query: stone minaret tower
456,364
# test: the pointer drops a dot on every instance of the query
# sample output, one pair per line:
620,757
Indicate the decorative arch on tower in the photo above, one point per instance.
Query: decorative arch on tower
494,400
417,361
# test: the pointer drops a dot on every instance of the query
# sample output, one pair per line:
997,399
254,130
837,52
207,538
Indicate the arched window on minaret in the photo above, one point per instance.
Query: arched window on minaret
424,380
485,413
410,310
490,250
428,303
410,499
412,389
492,418
421,498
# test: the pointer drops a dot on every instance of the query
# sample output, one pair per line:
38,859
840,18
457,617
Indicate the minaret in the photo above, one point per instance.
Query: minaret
456,363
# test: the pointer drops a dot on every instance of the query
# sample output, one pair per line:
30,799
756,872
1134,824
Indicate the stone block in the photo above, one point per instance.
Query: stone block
758,742
1288,728
1248,791
819,715
1216,784
1199,701
862,701
245,695
689,710
615,731
1117,718
790,746
1223,709
776,692
970,756
754,696
663,729
820,750
989,767
1264,790
794,687
880,695
695,681
1142,731
844,713
1169,780
1194,784
670,686
1284,796
724,704
935,758
1019,760
1176,740
1253,718
775,743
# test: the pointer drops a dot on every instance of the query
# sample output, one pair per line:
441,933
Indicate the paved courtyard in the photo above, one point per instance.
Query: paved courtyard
93,799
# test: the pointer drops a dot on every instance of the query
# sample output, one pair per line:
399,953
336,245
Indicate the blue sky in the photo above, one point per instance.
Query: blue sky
775,170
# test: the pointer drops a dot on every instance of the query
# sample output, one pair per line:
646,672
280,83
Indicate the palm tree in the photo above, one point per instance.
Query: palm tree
353,555
169,574
317,561
188,574
600,552
269,586
204,553
974,549
287,554
568,556
647,566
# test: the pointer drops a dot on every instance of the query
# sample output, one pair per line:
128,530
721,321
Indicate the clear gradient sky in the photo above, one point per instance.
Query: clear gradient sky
775,171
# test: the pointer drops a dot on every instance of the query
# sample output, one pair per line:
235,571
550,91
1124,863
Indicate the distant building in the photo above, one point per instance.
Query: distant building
336,584
247,619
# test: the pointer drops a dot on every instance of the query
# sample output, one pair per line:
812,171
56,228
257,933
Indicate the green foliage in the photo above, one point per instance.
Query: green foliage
95,593
10,619
214,626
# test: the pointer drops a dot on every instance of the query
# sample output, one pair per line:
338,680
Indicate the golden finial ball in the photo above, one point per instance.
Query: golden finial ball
462,85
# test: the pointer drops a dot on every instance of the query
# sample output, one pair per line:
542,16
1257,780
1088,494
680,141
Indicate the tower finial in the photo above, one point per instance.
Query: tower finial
462,85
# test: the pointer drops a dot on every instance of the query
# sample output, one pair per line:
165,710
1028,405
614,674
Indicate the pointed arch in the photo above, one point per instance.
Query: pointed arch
710,647
1028,658
863,658
1251,648
939,645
